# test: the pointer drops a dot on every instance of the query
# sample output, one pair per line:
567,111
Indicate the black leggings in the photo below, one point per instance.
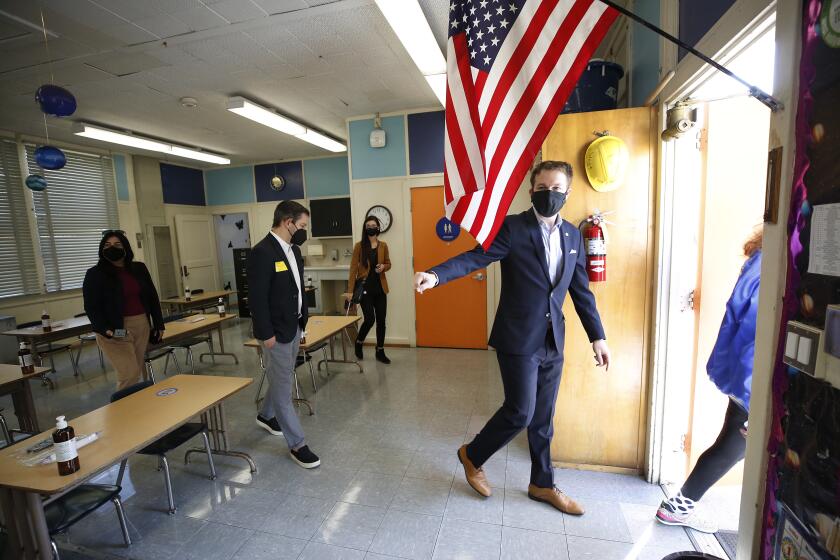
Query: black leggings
716,461
374,308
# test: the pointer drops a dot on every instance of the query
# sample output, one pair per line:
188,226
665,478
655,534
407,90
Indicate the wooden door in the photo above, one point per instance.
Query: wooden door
453,315
165,264
197,251
600,417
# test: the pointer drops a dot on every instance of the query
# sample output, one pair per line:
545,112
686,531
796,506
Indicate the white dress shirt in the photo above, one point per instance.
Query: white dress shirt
550,231
290,256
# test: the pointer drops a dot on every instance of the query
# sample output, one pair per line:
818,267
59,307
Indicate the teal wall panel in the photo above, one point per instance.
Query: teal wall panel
326,177
372,163
121,177
231,185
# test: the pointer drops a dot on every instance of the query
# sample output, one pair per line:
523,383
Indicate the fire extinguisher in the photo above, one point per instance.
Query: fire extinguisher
595,244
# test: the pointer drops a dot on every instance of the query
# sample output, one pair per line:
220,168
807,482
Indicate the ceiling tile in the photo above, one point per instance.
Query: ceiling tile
163,26
85,12
127,9
281,6
130,34
238,10
437,14
200,18
121,64
173,6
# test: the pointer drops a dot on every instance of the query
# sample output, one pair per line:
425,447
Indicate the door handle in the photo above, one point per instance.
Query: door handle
480,277
185,271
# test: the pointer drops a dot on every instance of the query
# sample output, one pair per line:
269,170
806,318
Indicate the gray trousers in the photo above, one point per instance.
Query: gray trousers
280,369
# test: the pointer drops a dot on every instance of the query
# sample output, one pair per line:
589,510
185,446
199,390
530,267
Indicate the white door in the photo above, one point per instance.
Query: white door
197,251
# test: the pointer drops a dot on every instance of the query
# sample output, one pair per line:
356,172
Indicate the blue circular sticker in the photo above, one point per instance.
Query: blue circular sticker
166,392
447,230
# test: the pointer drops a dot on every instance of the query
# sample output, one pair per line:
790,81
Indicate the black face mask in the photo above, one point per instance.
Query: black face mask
113,254
298,237
372,231
548,203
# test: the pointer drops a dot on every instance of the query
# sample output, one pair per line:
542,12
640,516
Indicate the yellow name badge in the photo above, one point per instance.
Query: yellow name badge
280,266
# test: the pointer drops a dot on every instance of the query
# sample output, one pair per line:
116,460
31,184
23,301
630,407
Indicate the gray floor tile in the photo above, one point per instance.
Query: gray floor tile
465,503
374,556
350,525
433,464
465,540
263,546
582,548
591,485
421,496
321,551
297,516
244,507
522,544
495,469
645,529
327,482
602,520
388,460
216,541
371,489
524,513
517,475
407,535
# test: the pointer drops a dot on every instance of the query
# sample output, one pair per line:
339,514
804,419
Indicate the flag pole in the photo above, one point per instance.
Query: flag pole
756,92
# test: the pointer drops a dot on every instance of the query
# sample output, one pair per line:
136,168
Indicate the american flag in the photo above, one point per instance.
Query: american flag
511,65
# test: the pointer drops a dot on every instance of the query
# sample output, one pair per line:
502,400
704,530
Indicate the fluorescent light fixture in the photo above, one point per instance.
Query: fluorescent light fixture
125,139
438,84
249,110
412,28
266,117
322,141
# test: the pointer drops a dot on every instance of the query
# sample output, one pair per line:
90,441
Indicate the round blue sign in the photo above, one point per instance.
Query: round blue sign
166,392
447,230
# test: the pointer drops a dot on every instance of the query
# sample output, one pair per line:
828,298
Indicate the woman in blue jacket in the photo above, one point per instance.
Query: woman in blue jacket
730,368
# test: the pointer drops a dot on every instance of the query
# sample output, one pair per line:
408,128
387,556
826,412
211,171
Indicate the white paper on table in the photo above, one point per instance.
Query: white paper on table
824,252
48,455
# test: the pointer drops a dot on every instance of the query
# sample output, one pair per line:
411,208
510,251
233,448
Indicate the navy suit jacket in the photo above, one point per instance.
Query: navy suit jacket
528,302
273,293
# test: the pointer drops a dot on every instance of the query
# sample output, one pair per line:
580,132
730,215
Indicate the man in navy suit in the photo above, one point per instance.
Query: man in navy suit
542,258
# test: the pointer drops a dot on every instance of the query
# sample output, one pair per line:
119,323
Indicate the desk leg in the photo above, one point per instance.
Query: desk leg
214,418
221,347
332,360
25,408
40,533
16,527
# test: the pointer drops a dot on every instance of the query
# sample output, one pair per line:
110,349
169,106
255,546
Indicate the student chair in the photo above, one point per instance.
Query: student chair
167,443
85,339
70,508
50,349
188,344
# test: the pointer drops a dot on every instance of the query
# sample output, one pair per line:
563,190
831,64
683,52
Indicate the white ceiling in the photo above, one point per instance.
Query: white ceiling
128,62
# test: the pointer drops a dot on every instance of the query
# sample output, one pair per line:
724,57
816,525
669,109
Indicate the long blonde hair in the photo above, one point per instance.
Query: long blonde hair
753,243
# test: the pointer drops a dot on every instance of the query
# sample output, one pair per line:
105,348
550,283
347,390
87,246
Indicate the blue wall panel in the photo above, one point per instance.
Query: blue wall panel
697,18
121,177
645,62
371,163
326,177
291,171
425,142
182,185
230,185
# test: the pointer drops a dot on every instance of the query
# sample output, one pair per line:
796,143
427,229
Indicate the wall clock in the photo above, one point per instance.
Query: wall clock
277,183
383,215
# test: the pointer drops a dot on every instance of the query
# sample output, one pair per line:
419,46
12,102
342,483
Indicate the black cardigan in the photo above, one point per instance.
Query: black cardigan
104,297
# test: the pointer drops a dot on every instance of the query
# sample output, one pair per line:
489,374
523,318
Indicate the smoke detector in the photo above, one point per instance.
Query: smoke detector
189,102
377,135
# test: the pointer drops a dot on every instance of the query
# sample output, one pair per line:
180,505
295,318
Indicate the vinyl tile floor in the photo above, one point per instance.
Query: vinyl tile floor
390,485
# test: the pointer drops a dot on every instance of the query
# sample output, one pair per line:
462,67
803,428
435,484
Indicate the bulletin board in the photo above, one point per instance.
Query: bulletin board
802,506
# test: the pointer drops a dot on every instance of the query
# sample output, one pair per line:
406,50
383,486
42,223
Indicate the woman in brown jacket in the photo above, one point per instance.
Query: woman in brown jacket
370,263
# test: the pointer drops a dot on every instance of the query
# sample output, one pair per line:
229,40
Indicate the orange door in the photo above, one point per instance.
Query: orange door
454,315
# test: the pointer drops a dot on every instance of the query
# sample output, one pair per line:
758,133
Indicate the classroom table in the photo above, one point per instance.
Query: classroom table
15,383
65,328
203,300
193,325
332,325
125,427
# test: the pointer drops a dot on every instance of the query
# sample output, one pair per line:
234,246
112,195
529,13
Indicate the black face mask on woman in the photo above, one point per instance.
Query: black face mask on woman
548,203
372,231
113,254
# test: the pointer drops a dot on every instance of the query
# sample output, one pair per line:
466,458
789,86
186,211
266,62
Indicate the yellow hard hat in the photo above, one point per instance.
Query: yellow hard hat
606,163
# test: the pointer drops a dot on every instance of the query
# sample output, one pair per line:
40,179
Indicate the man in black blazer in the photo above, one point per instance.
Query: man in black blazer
279,314
542,258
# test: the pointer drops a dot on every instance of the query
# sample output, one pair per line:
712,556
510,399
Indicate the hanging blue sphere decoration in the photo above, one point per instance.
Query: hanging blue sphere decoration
55,100
36,182
50,157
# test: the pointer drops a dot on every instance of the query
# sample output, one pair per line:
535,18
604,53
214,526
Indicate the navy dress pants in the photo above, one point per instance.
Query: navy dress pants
531,384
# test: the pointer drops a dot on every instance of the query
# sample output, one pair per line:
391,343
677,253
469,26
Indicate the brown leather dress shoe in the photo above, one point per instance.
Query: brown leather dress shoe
475,476
554,497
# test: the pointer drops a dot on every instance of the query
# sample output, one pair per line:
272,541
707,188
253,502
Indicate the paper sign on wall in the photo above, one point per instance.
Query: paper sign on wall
825,240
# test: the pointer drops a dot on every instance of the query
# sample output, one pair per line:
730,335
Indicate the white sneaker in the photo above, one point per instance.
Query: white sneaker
668,516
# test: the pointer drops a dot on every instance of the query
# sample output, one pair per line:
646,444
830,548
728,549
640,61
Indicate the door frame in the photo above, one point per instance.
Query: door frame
739,28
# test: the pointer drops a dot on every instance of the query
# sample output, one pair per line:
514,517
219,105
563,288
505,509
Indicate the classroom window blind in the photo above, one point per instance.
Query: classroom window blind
18,273
78,204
